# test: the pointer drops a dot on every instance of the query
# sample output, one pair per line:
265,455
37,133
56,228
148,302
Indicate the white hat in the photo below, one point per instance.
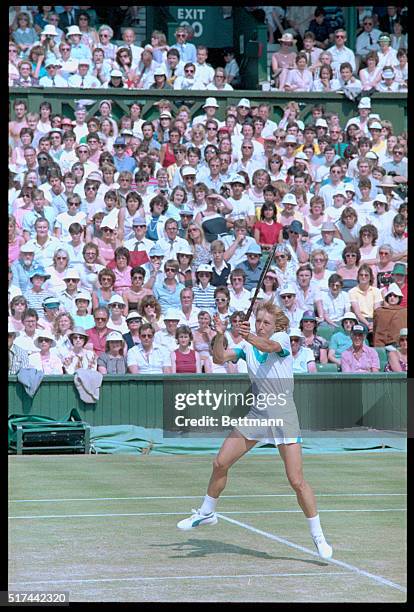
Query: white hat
27,248
165,114
184,249
375,125
114,336
289,198
44,334
188,171
71,273
349,315
116,299
210,102
295,332
365,102
321,123
133,315
393,288
84,61
204,268
160,71
74,29
82,295
289,288
237,178
339,191
260,296
381,198
50,30
52,61
244,102
172,314
287,37
291,138
115,73
371,155
95,175
301,155
109,221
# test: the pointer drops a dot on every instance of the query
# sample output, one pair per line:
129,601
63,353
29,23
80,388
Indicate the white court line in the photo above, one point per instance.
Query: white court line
53,516
157,578
348,566
70,499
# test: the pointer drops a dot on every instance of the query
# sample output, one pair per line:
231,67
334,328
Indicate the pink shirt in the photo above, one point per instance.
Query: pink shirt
122,279
300,81
368,358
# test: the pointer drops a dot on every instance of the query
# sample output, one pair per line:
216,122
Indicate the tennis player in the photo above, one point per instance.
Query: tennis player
270,367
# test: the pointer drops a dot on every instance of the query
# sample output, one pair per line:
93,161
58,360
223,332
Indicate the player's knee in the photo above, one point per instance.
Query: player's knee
219,465
297,482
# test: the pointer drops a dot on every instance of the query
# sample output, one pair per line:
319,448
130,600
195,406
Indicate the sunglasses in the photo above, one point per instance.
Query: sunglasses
350,255
101,319
220,299
170,270
204,273
77,337
147,335
116,305
287,296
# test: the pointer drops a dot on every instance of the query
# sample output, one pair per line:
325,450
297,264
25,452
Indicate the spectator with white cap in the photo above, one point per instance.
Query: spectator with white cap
283,60
387,55
78,49
332,246
78,356
22,267
341,340
35,294
335,211
116,306
46,360
113,360
67,297
359,358
390,317
116,80
288,303
53,79
160,79
83,79
81,314
303,357
210,107
381,217
203,290
364,109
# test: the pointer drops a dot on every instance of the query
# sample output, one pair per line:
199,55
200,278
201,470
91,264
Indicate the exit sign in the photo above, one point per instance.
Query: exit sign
209,27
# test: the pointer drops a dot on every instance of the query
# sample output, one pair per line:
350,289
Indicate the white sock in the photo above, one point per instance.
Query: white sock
315,526
209,505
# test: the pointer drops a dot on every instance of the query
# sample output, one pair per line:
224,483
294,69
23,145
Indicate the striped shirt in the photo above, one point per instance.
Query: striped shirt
35,300
204,298
18,359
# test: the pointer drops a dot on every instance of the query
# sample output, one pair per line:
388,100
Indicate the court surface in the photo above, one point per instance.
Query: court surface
104,529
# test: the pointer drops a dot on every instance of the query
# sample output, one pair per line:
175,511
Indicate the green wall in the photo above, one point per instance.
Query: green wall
324,401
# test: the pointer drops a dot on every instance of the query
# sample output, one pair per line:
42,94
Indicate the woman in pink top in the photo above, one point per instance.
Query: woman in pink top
15,241
300,78
283,60
185,360
122,270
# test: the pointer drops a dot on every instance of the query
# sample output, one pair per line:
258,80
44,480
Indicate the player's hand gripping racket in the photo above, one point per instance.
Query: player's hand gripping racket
260,281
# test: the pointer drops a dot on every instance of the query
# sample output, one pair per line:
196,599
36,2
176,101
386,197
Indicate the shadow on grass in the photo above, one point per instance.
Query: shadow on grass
195,548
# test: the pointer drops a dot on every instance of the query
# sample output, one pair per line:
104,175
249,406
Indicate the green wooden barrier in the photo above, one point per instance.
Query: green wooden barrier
392,107
324,401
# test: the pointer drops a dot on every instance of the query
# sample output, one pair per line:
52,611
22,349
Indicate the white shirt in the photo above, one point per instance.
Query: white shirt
239,302
88,81
301,359
336,307
339,56
204,73
149,363
171,248
143,245
56,81
192,320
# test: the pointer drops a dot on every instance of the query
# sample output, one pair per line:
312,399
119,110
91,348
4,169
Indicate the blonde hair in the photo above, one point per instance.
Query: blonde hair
281,321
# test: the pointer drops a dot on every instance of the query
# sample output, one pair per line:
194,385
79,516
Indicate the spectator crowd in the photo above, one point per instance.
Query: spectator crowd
127,236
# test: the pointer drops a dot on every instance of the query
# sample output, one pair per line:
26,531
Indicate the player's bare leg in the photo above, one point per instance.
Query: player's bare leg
292,458
234,447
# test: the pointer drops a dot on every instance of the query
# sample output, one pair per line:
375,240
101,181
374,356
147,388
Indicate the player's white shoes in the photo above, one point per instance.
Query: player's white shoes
324,549
197,520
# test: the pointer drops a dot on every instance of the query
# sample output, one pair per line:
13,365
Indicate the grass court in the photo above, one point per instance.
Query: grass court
104,528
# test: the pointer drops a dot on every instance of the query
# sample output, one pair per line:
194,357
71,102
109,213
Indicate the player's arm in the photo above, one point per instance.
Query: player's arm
220,353
263,344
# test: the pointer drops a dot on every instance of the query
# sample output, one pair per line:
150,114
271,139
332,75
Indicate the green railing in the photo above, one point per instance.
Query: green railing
324,401
392,107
